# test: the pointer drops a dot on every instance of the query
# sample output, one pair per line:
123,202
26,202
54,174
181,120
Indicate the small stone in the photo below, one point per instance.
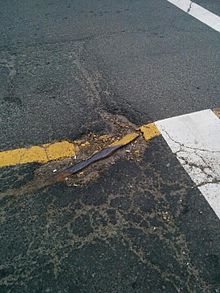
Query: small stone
55,170
85,144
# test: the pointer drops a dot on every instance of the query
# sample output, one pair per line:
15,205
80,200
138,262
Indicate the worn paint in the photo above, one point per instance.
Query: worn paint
149,131
59,150
126,139
97,156
195,140
38,154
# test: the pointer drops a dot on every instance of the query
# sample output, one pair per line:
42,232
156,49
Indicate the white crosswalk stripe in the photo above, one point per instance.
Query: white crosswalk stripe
195,140
200,13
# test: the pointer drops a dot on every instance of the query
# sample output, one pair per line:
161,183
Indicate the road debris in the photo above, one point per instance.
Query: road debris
148,131
217,112
94,155
100,155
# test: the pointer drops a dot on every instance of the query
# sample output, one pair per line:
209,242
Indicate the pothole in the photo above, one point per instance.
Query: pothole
89,145
119,126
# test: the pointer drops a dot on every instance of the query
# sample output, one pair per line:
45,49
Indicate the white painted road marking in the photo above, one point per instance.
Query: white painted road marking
195,139
200,13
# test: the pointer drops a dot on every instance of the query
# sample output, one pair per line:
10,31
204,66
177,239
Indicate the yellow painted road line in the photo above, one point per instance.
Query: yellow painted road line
64,149
149,131
126,139
38,154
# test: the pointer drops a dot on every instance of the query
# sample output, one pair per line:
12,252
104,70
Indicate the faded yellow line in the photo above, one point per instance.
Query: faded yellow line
126,139
149,131
64,149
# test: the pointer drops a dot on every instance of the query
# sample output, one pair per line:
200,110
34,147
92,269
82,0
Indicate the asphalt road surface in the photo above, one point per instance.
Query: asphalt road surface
67,70
147,60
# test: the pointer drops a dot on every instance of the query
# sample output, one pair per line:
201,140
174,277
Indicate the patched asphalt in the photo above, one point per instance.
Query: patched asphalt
142,226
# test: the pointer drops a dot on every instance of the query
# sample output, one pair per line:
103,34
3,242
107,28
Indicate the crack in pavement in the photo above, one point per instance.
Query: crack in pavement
214,181
190,6
196,161
182,145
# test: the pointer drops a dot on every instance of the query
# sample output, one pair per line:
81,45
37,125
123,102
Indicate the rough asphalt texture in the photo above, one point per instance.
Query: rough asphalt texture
141,226
146,59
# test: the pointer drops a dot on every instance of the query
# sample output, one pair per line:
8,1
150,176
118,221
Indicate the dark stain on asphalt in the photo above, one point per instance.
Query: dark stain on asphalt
15,101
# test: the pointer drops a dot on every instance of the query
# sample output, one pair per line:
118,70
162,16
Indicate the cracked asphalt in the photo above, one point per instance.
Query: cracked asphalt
141,226
134,222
